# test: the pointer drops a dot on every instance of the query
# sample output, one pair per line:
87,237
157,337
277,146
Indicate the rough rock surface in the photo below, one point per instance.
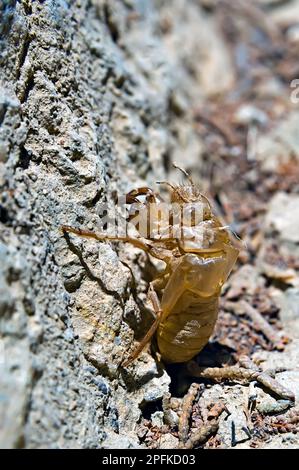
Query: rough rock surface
71,95
87,101
98,97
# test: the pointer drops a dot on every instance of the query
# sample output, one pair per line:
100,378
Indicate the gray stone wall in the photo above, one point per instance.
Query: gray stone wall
98,97
93,99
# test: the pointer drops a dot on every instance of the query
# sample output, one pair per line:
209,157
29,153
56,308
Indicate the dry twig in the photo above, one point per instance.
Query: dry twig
186,411
259,322
236,373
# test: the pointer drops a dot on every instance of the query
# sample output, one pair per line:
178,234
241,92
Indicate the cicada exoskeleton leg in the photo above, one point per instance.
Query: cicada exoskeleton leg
137,242
133,195
153,297
141,202
157,252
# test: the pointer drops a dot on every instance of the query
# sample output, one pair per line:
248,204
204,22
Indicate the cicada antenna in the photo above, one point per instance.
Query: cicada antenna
191,181
174,188
183,171
167,184
206,199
